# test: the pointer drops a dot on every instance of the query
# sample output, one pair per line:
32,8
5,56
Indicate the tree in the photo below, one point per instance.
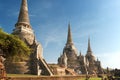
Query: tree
13,48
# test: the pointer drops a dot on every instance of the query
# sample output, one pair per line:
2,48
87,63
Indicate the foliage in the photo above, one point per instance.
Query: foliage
13,48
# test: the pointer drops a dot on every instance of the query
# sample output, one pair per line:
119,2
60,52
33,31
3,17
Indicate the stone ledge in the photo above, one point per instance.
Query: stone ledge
49,78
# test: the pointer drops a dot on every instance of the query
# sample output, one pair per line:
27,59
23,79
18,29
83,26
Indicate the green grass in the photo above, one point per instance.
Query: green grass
95,78
91,79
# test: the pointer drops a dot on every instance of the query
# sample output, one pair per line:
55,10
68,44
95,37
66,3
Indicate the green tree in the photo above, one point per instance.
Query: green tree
13,48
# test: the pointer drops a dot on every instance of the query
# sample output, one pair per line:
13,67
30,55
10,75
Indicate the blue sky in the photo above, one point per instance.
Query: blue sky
99,19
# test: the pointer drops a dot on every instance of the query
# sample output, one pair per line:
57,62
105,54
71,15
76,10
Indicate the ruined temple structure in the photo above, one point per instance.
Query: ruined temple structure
79,63
35,64
69,56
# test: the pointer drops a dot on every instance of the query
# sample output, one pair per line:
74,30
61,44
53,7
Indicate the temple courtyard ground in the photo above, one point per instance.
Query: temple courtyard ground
33,77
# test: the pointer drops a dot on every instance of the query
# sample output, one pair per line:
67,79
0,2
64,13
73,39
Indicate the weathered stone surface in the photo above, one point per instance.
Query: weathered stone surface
70,51
81,64
36,64
50,78
16,67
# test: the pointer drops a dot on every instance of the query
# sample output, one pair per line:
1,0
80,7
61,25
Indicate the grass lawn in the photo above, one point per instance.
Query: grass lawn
91,79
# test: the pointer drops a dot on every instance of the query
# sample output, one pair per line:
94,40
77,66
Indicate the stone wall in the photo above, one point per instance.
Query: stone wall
17,67
49,78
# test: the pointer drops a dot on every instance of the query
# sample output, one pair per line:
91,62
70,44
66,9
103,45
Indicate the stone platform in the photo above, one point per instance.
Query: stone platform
49,78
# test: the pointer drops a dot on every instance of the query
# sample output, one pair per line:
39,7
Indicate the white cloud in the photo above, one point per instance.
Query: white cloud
110,60
55,37
32,15
50,39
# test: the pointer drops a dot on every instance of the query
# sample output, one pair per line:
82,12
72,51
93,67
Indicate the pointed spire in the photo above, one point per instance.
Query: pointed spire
69,38
89,47
23,15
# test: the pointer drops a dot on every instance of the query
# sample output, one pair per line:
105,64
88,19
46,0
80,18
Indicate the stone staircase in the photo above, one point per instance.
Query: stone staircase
70,72
44,66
